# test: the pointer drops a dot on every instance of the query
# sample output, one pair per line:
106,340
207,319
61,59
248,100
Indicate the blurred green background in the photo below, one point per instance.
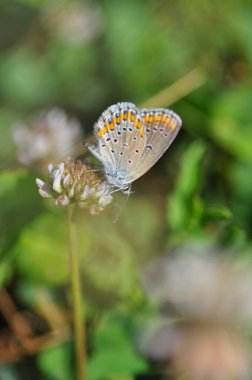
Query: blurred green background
82,57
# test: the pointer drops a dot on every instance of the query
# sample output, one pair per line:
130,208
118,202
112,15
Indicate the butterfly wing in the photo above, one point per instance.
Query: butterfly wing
161,126
131,141
121,140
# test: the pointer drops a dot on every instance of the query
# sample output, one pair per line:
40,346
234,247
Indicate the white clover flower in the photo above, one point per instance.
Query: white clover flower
50,135
205,309
75,22
75,182
201,285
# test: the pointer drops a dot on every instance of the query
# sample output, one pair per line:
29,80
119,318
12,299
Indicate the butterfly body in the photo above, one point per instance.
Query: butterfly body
131,140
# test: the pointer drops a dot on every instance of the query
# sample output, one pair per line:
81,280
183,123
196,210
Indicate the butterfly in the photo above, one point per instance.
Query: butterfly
131,140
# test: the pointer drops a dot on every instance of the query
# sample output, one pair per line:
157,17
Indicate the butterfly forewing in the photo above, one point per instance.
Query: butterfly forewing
121,137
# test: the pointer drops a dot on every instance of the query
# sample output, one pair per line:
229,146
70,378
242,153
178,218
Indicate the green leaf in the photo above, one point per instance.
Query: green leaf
114,356
111,364
55,362
41,253
184,208
19,205
217,213
109,262
6,269
240,182
9,181
143,53
231,126
26,78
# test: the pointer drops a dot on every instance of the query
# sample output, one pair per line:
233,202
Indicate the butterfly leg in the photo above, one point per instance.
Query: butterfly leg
127,192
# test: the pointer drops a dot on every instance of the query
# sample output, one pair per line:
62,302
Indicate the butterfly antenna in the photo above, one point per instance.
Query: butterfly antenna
128,192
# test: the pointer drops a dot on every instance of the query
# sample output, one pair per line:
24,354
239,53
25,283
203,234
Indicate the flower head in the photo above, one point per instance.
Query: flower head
202,285
50,135
75,22
206,306
75,182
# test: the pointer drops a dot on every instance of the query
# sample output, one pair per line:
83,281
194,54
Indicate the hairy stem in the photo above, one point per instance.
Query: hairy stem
79,324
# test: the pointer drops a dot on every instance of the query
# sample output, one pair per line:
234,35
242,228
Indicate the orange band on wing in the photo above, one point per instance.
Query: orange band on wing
147,118
125,115
138,123
151,118
102,131
109,124
173,124
117,119
166,119
132,117
158,117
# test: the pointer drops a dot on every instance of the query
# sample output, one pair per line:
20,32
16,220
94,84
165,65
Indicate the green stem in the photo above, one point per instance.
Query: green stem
79,325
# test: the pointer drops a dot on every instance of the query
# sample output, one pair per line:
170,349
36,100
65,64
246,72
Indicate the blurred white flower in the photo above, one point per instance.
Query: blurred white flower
201,285
75,22
206,307
51,135
75,182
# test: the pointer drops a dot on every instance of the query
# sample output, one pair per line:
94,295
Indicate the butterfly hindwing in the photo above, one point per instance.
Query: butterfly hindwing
161,126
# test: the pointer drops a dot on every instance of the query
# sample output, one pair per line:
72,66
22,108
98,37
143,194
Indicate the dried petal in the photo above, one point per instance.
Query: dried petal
85,193
62,200
50,168
44,190
66,180
72,190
